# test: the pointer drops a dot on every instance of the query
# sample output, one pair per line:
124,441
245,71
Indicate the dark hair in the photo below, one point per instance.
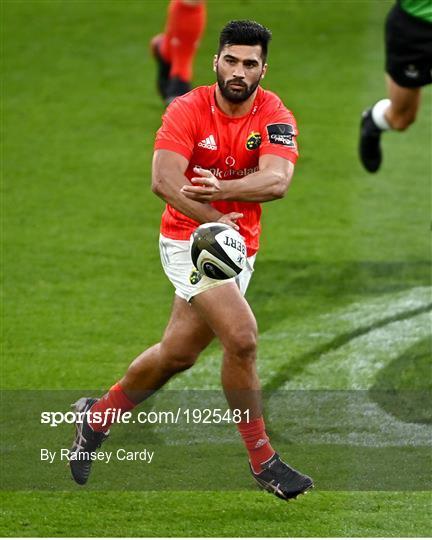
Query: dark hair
245,33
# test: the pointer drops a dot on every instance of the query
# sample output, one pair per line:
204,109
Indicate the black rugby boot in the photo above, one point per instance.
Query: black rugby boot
280,479
86,441
162,66
176,87
370,144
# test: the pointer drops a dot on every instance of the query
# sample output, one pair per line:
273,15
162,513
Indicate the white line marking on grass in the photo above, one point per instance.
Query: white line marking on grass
355,365
329,417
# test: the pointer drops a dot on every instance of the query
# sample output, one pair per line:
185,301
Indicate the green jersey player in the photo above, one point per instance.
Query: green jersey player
408,39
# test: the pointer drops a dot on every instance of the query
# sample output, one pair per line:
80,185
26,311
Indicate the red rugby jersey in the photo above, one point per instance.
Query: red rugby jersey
196,128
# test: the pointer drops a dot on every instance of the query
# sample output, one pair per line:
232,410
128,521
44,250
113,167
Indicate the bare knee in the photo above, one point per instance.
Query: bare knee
241,343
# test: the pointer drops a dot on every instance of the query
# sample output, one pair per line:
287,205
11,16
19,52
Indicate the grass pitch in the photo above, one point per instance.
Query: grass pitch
341,289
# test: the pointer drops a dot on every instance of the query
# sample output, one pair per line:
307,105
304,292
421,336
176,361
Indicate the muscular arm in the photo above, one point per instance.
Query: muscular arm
167,180
269,183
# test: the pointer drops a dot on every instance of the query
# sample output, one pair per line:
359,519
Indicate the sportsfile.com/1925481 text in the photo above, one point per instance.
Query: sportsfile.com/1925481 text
180,415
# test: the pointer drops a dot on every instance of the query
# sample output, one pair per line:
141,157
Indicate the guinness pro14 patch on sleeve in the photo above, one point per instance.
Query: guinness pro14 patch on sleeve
281,134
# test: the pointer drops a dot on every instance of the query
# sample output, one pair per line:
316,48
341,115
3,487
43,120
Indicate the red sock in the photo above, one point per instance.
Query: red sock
116,401
184,28
256,441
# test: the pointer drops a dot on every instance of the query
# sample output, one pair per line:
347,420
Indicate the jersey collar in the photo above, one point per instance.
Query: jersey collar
215,109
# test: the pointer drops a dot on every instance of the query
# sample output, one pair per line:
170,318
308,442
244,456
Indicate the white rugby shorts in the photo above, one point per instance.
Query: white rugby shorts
178,266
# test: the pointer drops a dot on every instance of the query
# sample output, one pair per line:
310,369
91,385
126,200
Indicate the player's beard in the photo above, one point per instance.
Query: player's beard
236,96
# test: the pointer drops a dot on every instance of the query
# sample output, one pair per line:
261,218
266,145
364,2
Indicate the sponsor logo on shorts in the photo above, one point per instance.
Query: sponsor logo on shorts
195,277
411,71
253,141
281,134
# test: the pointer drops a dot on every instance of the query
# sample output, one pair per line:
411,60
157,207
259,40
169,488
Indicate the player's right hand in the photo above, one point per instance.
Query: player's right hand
230,219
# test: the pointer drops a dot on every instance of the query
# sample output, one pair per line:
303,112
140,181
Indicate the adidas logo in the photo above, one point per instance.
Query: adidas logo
260,443
209,143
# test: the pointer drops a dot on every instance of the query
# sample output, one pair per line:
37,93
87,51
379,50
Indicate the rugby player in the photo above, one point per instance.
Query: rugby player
408,36
175,49
221,151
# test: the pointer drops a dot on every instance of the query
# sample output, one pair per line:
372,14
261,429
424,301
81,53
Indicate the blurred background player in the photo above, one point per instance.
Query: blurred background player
175,49
408,38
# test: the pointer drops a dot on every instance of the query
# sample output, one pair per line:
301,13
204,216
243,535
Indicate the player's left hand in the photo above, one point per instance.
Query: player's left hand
207,187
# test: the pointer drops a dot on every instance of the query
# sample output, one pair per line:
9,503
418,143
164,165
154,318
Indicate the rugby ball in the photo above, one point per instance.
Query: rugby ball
218,251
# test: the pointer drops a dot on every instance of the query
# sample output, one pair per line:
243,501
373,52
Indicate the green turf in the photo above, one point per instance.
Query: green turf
205,514
342,279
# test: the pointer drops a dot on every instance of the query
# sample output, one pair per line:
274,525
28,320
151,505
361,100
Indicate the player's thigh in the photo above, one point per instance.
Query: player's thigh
229,316
187,333
405,101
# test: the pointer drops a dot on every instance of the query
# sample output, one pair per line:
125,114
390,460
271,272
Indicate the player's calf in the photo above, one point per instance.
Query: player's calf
174,361
401,122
